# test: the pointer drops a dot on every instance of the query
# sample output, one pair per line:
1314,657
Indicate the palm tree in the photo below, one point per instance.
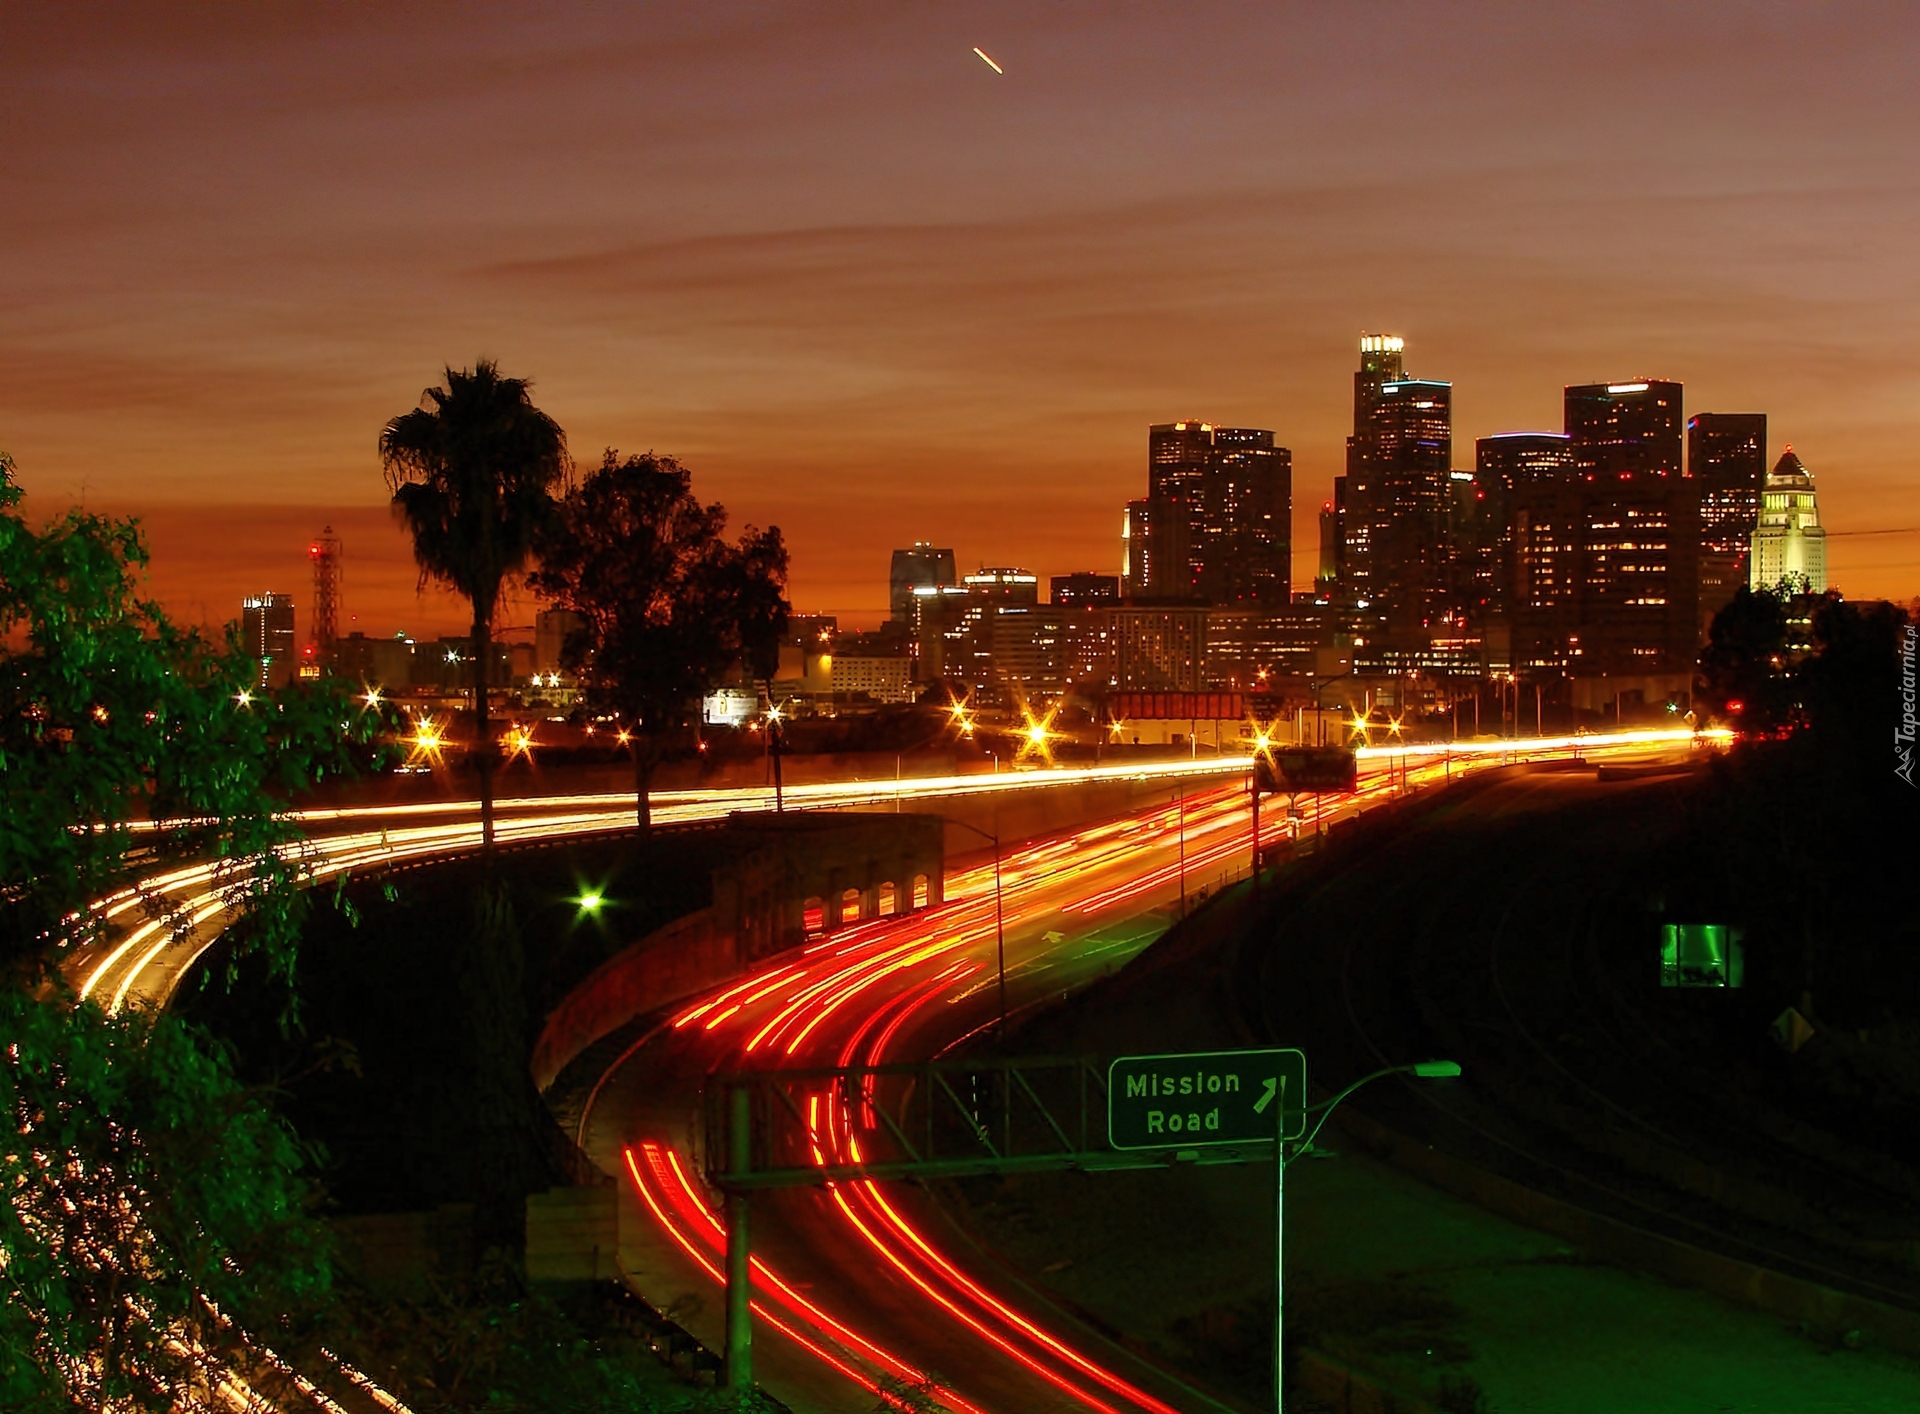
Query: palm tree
474,471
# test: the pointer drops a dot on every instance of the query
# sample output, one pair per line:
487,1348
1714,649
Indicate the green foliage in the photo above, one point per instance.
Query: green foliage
156,1210
668,604
121,732
1837,678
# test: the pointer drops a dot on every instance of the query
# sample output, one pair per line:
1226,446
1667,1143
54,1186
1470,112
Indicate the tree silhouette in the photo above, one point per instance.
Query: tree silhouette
474,472
667,604
1744,667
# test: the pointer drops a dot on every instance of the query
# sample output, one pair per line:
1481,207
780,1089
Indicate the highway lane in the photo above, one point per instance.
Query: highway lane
160,925
1077,905
852,1289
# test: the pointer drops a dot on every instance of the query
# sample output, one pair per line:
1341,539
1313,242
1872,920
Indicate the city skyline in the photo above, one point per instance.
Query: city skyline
933,287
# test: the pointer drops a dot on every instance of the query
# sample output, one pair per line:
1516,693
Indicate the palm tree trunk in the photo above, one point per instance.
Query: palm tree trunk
482,729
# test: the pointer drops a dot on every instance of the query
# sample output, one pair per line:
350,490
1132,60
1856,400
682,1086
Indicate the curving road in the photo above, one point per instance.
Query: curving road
855,1289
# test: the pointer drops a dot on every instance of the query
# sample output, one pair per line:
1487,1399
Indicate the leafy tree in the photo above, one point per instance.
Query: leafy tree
1745,665
122,732
155,1209
158,1230
667,603
474,472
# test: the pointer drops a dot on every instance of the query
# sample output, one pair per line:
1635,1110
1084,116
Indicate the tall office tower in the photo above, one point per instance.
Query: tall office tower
1004,586
1789,544
1178,457
1609,556
1501,463
922,567
1727,454
1084,587
1625,428
324,552
1233,488
266,634
1399,461
1340,530
1327,573
1244,544
1156,562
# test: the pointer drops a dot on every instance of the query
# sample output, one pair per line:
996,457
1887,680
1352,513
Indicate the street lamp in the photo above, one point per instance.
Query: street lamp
1320,726
1425,1070
999,918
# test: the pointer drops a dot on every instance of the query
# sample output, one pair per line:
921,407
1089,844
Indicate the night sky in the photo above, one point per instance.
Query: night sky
872,291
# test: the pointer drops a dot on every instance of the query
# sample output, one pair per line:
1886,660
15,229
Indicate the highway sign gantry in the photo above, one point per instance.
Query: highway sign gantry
1207,1098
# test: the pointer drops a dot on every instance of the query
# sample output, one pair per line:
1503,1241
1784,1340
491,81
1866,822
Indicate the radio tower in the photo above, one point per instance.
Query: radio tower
325,554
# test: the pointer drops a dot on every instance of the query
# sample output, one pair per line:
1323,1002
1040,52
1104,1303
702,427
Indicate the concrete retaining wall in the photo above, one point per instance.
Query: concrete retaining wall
689,955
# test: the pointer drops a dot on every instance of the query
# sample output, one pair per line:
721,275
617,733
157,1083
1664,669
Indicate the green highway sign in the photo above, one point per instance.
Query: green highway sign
1215,1097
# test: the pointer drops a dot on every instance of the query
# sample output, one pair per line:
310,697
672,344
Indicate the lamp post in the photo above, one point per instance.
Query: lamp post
1319,724
999,918
773,748
1425,1070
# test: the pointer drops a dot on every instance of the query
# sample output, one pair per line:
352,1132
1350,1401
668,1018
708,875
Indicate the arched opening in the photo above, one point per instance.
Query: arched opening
887,906
813,915
849,905
920,893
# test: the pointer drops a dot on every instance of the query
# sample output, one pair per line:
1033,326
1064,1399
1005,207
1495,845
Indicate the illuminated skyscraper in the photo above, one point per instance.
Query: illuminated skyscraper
1233,489
1789,545
921,567
1084,587
1727,454
1607,557
266,634
1501,463
1399,461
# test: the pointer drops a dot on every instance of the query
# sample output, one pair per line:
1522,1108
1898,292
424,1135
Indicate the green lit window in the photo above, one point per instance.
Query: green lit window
1701,955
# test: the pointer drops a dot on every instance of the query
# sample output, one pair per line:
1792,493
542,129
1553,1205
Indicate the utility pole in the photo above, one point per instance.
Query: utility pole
739,1355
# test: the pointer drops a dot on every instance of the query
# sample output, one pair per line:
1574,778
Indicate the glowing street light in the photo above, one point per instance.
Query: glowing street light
590,902
1037,734
372,697
243,697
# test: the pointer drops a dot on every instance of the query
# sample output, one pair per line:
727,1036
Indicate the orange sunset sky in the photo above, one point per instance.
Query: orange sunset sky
872,291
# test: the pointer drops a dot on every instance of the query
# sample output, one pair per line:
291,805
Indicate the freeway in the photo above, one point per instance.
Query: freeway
855,1292
852,1285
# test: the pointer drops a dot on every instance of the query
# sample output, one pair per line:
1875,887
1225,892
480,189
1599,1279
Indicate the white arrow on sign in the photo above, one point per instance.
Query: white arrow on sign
1266,1098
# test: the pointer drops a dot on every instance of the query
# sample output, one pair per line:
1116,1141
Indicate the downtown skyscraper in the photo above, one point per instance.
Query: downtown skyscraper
1607,555
1395,555
1727,454
1216,523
